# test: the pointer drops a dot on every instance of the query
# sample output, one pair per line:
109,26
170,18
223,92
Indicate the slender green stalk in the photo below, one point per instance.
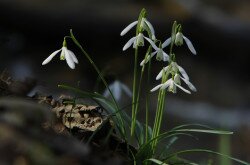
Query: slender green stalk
159,113
102,78
224,148
134,94
147,103
134,103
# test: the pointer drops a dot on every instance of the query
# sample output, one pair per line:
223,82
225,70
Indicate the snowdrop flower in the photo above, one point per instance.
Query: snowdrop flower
116,88
65,54
136,41
172,83
160,54
143,26
173,68
179,41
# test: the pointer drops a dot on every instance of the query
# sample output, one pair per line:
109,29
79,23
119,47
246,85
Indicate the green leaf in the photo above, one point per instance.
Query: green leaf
206,151
164,152
146,149
139,132
156,161
188,125
219,132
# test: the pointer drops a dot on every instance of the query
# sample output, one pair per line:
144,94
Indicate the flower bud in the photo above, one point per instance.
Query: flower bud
62,55
140,40
159,55
178,39
177,79
172,87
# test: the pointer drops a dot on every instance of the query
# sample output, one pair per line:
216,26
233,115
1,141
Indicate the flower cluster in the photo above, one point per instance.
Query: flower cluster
178,74
173,70
142,25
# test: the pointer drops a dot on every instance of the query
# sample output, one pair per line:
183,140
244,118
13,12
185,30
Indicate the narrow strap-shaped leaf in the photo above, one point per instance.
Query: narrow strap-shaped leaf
206,151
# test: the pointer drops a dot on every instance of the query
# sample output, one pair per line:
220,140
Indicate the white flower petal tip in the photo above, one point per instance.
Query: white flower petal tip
166,43
183,89
150,28
51,56
130,26
190,45
190,85
73,56
142,63
156,88
129,43
183,72
116,89
66,54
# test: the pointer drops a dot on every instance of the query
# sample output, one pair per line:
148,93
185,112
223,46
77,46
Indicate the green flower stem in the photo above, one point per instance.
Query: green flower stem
162,94
134,94
147,103
159,113
123,131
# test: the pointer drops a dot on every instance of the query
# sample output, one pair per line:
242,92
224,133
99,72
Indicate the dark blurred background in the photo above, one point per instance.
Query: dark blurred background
220,30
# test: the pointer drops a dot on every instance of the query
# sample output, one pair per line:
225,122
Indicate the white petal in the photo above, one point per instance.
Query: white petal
183,72
73,56
151,28
129,43
190,85
190,45
140,40
156,88
106,93
142,62
126,90
152,43
167,84
68,58
153,54
117,92
185,90
165,56
52,55
166,43
153,37
145,61
160,74
130,26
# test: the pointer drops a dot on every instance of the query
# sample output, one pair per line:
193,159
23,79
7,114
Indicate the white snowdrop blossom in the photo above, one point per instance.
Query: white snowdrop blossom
144,24
173,68
160,54
179,41
66,54
136,41
172,83
117,88
178,74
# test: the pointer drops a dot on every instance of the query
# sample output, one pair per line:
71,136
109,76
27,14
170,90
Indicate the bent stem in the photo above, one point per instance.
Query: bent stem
123,130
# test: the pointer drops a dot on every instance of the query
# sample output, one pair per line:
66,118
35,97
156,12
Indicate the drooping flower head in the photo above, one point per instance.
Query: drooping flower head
177,73
142,25
66,54
117,88
178,38
161,55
